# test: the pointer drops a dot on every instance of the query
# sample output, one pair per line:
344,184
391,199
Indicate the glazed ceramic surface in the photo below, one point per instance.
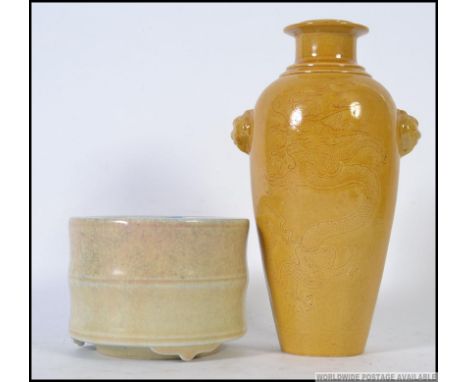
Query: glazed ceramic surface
325,141
157,287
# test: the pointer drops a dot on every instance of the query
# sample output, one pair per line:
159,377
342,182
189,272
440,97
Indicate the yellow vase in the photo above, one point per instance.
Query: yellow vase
325,141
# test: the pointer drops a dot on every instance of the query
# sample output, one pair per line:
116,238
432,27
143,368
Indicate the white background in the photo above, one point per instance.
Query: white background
131,114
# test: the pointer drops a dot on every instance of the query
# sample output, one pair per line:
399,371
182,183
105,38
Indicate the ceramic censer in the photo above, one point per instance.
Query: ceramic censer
325,141
157,287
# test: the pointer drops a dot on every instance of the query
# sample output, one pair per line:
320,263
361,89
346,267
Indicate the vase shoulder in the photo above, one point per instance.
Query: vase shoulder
301,102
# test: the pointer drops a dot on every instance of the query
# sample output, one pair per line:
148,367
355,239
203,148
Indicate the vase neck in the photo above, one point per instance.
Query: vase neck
325,47
329,44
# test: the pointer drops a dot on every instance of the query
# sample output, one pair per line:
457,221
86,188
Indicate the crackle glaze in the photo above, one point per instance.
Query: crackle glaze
325,141
157,287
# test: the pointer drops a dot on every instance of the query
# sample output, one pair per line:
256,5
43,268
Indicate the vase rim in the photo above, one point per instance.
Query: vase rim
326,25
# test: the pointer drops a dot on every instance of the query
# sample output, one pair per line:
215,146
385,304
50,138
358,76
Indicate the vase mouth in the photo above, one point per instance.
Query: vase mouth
326,26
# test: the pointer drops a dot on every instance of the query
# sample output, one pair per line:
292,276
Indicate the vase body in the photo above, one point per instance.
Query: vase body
325,141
